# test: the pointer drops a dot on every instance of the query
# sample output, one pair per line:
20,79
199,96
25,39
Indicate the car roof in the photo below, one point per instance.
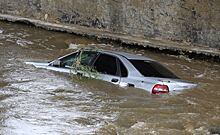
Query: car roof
128,55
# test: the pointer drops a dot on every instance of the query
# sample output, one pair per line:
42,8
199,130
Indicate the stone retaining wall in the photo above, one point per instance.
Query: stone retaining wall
190,21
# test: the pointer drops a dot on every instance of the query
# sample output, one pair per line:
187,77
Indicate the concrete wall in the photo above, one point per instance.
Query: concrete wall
195,21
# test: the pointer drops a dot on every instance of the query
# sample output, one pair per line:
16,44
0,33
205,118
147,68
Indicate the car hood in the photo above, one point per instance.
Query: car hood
38,64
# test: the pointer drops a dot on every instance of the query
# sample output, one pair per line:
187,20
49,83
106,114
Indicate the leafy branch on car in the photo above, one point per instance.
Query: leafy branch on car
84,70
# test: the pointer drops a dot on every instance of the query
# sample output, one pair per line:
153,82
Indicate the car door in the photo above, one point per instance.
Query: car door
124,81
107,66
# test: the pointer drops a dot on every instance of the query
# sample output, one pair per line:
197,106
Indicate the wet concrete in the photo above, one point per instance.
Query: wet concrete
38,101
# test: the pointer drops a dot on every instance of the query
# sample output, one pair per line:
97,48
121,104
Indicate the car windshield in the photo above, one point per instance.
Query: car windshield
152,69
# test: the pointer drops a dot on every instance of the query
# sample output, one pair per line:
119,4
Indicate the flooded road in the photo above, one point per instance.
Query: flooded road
37,101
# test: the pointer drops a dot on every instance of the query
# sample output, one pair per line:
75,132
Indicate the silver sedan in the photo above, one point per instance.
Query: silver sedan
123,69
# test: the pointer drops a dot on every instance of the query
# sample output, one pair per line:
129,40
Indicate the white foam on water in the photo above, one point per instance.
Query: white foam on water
38,109
24,43
1,31
74,46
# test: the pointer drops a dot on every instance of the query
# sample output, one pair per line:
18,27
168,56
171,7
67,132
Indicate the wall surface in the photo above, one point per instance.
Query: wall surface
190,21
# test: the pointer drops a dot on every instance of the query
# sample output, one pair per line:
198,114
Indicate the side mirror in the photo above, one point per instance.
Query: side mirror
56,63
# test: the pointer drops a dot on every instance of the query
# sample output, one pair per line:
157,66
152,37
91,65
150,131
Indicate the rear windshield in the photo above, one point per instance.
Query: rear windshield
152,69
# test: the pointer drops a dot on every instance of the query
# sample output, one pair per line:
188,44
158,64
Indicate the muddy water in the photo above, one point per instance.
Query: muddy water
37,101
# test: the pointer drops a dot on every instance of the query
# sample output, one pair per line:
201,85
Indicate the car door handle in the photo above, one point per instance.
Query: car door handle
114,80
130,85
79,74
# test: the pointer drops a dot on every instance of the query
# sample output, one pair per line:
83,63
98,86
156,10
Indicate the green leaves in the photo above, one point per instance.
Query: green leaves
82,69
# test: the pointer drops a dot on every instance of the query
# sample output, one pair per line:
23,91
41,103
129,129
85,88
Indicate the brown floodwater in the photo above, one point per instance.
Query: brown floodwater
37,101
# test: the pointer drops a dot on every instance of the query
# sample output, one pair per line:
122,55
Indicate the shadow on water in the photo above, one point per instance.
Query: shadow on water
214,130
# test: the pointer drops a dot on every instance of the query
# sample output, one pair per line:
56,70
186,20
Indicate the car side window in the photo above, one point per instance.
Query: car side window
123,69
106,64
68,60
87,57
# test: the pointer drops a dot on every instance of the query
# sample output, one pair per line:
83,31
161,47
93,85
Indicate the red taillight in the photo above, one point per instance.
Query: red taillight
159,88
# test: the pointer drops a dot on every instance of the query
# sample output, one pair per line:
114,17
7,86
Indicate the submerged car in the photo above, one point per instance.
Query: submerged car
120,68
